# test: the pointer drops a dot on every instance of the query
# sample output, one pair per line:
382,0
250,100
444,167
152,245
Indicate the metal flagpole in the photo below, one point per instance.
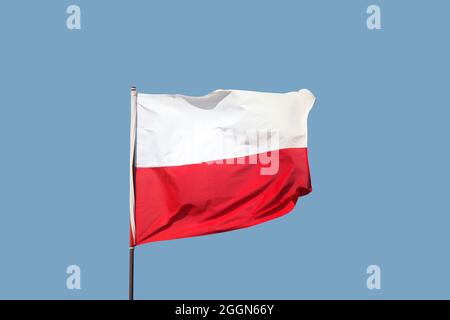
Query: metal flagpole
132,222
131,279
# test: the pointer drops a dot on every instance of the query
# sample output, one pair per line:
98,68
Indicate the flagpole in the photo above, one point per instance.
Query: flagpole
132,222
131,278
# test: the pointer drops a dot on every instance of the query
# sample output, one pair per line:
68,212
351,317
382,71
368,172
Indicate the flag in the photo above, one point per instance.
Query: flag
227,160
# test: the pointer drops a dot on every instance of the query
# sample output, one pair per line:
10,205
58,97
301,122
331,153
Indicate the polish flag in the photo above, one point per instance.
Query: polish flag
228,160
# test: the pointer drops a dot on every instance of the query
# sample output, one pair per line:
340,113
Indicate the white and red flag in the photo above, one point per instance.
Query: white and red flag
224,161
